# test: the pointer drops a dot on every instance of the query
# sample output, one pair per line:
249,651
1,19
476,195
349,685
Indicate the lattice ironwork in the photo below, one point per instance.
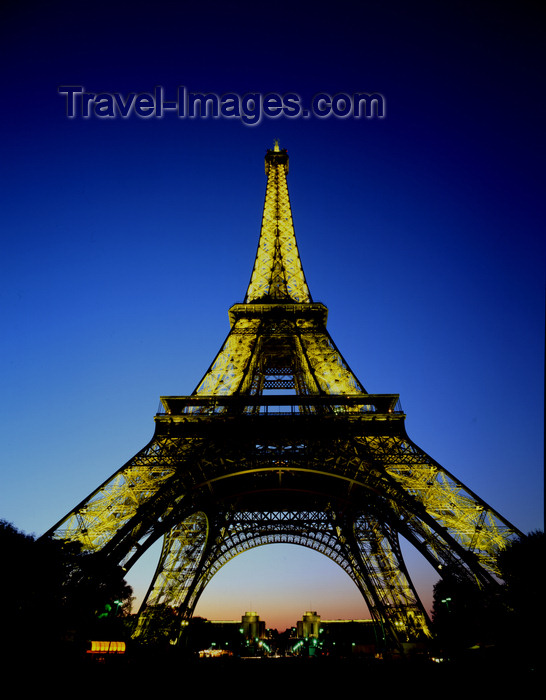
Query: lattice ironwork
321,464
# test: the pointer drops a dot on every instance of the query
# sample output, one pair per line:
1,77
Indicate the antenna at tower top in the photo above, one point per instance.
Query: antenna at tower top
276,147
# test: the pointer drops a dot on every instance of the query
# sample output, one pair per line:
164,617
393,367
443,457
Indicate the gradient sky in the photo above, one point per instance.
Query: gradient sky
126,240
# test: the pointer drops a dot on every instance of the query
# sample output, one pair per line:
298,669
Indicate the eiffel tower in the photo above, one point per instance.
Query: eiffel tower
281,443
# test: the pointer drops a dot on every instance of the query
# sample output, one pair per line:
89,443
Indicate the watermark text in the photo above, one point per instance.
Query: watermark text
250,108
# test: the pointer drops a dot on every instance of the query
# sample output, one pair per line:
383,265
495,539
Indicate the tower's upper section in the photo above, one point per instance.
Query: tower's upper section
278,273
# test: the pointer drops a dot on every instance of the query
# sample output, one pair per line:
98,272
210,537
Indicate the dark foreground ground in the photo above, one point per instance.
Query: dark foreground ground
268,678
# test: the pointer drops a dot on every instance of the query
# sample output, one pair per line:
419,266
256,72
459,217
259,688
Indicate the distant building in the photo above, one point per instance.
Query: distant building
311,636
308,626
315,636
253,627
221,637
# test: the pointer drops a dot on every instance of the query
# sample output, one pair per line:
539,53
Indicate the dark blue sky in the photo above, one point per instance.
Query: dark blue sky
126,240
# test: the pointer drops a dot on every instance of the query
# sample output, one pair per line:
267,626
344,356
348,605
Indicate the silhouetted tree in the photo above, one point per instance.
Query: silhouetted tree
522,569
464,615
51,590
509,617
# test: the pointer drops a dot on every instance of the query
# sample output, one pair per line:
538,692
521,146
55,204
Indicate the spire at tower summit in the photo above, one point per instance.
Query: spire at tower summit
278,273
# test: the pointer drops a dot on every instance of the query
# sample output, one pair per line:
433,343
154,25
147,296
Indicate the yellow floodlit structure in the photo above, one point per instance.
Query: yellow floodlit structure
280,443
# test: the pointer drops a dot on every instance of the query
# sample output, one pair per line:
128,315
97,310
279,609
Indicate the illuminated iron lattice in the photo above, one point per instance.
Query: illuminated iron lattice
280,443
